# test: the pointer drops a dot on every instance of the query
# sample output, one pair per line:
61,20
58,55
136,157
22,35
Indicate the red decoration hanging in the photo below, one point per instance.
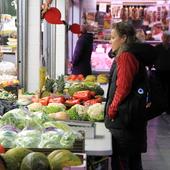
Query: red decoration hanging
75,28
53,16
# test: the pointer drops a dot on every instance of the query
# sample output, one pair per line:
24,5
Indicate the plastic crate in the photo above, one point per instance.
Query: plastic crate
83,157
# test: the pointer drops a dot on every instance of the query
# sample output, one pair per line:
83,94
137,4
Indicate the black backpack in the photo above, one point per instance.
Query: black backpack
157,99
157,96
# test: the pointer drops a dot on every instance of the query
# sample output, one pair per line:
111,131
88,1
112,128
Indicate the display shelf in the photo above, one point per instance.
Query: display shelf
7,49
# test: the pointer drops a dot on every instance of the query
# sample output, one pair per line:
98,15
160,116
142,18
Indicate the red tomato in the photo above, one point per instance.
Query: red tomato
2,149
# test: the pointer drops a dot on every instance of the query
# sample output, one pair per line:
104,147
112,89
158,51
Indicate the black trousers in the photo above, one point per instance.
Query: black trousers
125,161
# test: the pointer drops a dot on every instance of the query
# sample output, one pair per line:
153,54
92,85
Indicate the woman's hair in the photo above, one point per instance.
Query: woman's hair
125,29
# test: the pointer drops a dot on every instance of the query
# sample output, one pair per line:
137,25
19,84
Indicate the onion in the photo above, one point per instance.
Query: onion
59,116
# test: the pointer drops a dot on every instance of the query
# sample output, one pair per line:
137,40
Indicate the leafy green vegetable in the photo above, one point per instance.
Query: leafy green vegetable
57,107
73,113
78,112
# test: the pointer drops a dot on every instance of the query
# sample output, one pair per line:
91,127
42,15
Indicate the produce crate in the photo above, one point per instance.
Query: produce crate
83,157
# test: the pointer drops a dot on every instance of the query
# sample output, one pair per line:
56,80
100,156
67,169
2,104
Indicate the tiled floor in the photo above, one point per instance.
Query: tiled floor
158,154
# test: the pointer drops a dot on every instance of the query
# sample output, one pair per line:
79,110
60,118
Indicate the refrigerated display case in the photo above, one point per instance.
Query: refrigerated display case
99,59
8,42
12,40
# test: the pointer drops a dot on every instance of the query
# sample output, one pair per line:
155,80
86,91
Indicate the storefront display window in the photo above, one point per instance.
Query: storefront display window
8,42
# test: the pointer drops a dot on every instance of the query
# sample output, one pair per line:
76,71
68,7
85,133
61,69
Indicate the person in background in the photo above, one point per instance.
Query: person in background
148,36
162,63
140,35
127,143
157,32
81,61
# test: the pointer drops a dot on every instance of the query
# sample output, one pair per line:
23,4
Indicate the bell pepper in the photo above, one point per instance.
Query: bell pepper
91,102
59,99
2,149
71,102
82,95
44,101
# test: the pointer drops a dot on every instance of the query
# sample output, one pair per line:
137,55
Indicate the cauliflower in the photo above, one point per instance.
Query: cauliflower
78,112
96,112
34,107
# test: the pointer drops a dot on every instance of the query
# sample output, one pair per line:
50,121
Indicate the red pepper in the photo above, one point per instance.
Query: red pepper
44,101
71,102
99,98
92,93
82,95
91,102
2,149
59,99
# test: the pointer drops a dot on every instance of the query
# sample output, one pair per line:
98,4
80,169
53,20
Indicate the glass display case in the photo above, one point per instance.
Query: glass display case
8,29
99,59
8,42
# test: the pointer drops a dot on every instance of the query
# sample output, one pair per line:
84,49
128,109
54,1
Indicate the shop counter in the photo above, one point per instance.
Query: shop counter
101,145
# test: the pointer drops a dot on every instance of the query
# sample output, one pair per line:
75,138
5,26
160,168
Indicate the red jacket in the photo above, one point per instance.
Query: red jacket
127,67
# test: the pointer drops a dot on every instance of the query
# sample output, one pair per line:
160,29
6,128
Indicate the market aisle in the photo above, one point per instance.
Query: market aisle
158,155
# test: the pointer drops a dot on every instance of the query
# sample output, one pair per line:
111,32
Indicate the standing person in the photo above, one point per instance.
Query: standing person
127,143
81,61
162,63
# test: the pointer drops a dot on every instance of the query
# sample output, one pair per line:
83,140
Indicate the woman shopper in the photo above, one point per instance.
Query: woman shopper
127,142
81,61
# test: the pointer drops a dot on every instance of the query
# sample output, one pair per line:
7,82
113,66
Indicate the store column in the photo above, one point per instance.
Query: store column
33,45
61,41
